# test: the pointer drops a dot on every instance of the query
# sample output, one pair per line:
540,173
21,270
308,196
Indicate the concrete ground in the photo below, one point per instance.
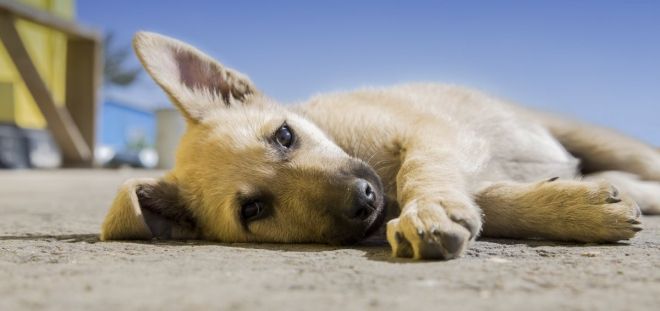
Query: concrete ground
50,258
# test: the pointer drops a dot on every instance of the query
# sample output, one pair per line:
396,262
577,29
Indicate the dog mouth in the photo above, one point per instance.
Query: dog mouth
376,222
373,224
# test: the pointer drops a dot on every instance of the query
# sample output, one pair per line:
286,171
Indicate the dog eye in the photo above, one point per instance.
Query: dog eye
252,210
284,136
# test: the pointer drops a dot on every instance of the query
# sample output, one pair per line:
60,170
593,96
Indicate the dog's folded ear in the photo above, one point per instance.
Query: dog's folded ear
147,208
194,81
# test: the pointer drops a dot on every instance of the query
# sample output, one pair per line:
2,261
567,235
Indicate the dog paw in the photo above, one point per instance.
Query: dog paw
433,231
618,216
597,211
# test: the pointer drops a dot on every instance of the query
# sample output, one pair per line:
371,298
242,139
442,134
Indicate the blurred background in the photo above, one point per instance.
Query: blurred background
73,94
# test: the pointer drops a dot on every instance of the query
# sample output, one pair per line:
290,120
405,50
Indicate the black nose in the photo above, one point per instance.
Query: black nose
364,200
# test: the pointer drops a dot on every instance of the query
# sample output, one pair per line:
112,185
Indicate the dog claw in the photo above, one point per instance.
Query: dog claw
633,221
636,229
613,200
553,179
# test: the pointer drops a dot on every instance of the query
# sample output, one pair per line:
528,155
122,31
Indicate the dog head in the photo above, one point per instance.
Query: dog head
247,169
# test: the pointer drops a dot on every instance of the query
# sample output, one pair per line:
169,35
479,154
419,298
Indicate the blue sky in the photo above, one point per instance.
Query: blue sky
595,60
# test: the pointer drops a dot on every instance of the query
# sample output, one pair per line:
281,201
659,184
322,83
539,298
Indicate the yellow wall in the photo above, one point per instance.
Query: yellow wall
48,51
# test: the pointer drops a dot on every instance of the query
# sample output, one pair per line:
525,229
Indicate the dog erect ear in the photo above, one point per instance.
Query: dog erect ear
193,80
147,208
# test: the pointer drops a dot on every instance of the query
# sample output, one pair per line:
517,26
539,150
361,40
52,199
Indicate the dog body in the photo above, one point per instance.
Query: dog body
486,140
440,163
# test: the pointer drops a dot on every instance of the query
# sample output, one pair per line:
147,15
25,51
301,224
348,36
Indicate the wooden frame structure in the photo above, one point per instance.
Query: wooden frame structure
73,125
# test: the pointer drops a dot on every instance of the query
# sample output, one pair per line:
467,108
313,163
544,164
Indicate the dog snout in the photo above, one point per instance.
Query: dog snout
364,200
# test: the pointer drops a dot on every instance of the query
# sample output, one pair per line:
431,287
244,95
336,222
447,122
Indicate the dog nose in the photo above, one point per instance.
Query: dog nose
364,200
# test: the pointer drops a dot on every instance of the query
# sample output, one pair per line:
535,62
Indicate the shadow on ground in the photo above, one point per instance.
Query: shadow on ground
374,249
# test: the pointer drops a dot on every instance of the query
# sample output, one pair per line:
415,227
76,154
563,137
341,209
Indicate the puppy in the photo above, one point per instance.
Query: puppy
440,164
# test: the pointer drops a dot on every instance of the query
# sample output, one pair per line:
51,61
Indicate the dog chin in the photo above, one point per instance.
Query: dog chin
376,222
374,226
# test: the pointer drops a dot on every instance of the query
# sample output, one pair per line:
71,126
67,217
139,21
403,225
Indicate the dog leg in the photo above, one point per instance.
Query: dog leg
438,218
601,149
645,193
564,210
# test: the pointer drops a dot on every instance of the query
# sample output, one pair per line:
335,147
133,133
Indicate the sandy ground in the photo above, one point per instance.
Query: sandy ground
50,258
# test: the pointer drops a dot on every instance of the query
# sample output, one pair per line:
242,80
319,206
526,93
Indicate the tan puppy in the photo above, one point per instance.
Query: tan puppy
441,163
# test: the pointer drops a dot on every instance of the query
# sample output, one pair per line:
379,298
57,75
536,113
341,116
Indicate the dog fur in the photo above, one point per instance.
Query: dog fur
442,164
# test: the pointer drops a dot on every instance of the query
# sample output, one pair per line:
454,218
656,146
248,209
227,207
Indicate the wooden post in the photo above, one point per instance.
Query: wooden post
74,133
83,72
64,130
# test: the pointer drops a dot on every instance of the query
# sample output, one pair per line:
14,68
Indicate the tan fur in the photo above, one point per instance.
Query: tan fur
125,217
446,157
563,210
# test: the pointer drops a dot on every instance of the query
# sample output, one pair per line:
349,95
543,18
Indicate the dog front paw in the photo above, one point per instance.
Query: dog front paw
433,231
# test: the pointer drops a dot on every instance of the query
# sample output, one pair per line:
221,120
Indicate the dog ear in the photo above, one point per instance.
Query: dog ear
194,81
147,208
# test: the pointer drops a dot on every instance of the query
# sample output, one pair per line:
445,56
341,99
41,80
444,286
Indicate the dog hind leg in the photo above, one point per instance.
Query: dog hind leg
601,149
563,210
